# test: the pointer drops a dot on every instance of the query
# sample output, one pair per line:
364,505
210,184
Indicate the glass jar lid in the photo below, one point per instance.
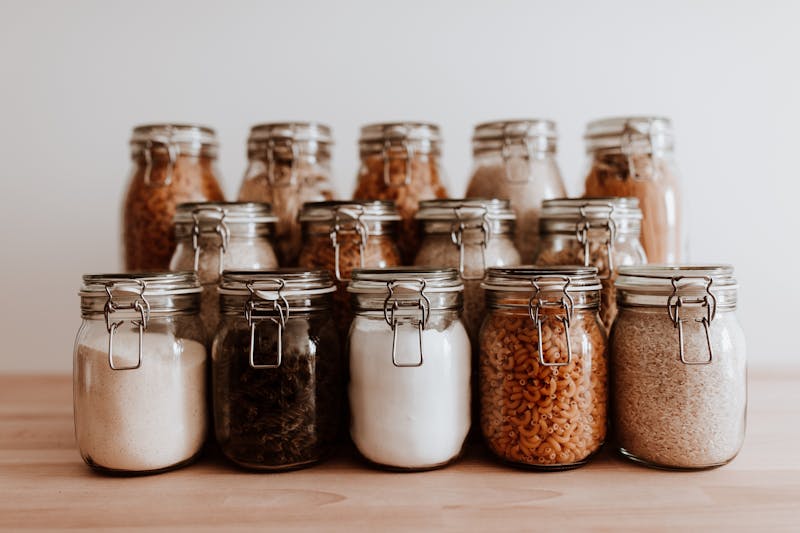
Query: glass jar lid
405,280
291,131
395,131
630,135
534,278
208,214
140,283
517,129
349,210
659,285
175,138
581,215
285,282
465,209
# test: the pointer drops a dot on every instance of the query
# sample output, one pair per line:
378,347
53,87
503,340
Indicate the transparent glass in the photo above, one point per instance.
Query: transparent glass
537,415
670,414
409,416
284,417
143,420
524,181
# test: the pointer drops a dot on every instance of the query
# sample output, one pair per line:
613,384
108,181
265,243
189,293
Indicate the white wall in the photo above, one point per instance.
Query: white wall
77,75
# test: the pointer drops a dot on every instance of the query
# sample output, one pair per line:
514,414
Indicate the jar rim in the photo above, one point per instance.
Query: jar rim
515,129
287,282
293,131
432,279
530,278
141,283
367,210
408,130
633,134
665,279
592,208
174,133
454,209
231,212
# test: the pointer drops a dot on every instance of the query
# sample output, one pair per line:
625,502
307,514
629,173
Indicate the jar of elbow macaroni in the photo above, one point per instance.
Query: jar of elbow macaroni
543,366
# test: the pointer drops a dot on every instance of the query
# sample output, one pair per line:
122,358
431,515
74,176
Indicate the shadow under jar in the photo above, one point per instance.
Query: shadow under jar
633,156
400,162
599,232
217,236
543,367
516,160
276,369
289,165
139,372
172,164
679,358
409,368
340,236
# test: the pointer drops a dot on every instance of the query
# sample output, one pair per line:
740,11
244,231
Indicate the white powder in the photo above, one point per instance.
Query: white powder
409,417
145,419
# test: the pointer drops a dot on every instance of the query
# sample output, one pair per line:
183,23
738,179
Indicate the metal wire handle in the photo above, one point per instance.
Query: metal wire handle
582,235
457,237
391,305
141,305
566,302
505,153
674,304
220,229
358,226
172,154
408,148
280,306
271,165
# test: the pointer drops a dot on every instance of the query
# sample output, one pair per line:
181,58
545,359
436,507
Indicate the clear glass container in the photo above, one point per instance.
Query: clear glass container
289,165
139,385
342,235
516,160
601,232
633,156
217,236
400,162
409,367
276,369
543,366
172,164
680,373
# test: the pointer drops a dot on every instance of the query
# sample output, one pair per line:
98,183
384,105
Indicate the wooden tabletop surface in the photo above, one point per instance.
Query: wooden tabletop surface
45,485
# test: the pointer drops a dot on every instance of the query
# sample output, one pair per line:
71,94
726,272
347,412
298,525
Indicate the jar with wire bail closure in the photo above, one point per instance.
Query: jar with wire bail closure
139,372
543,366
400,161
516,160
679,356
343,235
289,165
276,368
409,367
172,164
217,236
634,157
600,232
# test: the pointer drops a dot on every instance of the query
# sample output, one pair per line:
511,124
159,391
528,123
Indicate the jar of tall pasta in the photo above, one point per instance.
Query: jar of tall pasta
340,236
289,165
543,366
516,160
400,162
680,371
601,232
634,156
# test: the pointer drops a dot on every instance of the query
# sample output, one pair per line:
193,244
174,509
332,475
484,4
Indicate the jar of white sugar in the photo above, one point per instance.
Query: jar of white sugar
216,236
678,352
409,367
139,372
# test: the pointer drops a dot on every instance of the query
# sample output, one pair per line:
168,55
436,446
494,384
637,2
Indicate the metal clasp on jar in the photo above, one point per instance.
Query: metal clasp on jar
582,234
674,304
139,304
292,181
565,302
255,311
634,142
408,150
220,229
391,306
529,155
348,220
172,157
457,236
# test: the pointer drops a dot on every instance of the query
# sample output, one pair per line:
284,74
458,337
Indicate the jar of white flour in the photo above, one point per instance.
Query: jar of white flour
139,372
409,367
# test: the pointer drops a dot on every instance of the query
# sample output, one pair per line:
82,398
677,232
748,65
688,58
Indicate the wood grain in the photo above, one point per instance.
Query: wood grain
45,485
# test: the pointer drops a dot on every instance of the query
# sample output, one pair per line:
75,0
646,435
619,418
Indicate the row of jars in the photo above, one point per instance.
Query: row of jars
289,165
676,357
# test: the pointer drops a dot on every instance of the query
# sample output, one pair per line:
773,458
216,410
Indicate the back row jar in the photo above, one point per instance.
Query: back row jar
172,164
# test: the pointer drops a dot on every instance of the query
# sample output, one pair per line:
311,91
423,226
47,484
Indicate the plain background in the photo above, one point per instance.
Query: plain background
76,76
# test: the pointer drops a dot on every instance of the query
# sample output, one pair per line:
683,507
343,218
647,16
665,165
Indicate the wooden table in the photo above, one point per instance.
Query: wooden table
44,484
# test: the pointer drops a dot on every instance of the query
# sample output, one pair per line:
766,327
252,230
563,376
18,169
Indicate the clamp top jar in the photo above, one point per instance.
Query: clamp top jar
515,160
679,355
633,156
289,164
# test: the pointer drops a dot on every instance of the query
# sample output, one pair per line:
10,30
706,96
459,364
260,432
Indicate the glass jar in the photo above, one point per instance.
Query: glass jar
470,234
516,160
339,236
633,156
601,232
139,372
543,366
276,369
680,376
409,367
400,162
289,165
217,236
172,164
